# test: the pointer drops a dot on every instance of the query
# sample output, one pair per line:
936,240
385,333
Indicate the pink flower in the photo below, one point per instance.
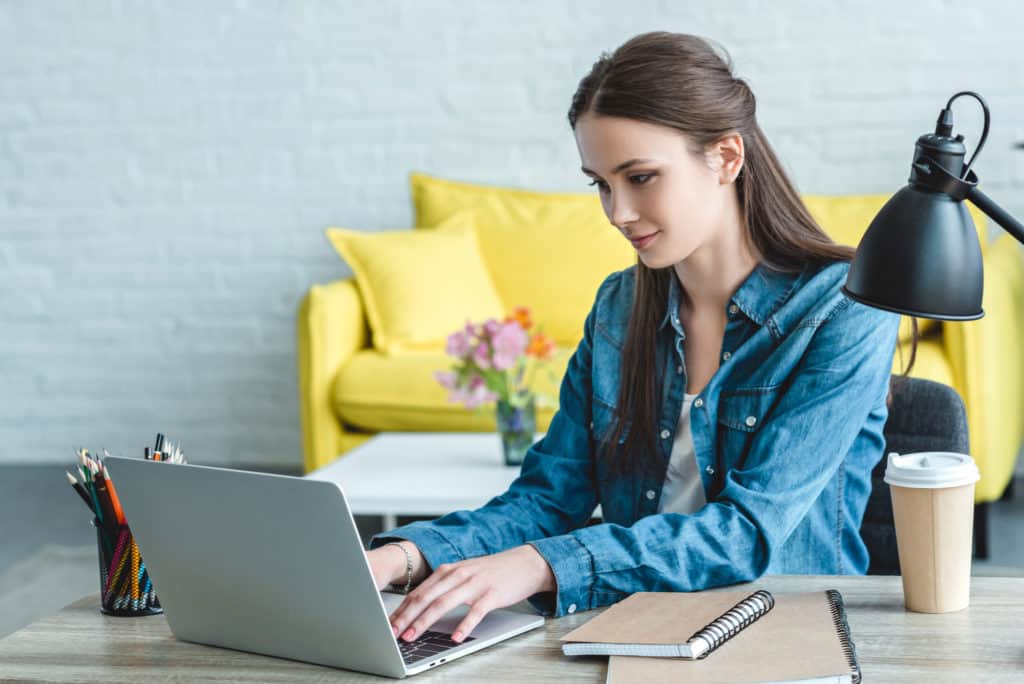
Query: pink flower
482,355
446,378
493,354
458,395
478,393
510,343
458,345
491,327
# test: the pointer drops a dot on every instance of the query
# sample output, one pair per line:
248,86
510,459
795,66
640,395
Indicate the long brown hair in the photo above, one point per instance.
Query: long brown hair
680,81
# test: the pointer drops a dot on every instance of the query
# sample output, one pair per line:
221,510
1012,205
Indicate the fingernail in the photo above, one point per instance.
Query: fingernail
408,634
457,637
394,630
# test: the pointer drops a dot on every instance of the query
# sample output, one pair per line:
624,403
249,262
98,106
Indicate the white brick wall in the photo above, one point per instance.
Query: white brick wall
167,168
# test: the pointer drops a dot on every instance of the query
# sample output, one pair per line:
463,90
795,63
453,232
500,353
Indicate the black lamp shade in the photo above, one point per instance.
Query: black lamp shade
920,257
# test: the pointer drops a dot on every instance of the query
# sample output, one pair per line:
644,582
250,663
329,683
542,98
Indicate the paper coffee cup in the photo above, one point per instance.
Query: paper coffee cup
933,506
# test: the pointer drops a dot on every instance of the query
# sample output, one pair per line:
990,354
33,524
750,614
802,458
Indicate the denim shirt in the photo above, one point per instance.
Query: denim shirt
786,434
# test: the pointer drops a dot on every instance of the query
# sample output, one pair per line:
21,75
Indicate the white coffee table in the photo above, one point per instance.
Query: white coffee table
420,473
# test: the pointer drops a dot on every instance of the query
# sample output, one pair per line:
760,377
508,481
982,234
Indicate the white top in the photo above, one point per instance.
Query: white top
683,491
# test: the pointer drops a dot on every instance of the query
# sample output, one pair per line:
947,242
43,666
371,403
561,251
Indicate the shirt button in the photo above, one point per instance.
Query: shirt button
571,608
733,309
591,425
726,356
709,470
751,421
665,434
650,494
698,402
679,370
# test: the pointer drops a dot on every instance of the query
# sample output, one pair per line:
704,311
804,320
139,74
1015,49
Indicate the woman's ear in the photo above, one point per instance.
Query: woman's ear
728,153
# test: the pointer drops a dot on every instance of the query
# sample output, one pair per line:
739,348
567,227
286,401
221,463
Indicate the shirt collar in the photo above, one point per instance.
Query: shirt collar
758,297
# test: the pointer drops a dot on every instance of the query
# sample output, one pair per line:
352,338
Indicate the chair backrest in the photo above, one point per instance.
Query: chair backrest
923,416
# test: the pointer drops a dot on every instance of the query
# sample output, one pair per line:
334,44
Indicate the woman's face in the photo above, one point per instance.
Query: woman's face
669,203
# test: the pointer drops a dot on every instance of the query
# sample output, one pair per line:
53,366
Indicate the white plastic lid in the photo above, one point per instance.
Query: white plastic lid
931,470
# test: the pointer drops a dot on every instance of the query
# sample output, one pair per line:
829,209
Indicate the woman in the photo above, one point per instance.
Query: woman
725,406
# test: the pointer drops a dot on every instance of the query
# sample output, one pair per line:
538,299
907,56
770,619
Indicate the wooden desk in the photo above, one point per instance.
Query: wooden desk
984,643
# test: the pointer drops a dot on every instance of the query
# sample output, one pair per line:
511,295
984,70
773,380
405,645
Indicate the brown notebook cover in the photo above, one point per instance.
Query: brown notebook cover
668,624
804,637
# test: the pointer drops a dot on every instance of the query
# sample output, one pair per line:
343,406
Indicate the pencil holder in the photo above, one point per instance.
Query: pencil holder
125,587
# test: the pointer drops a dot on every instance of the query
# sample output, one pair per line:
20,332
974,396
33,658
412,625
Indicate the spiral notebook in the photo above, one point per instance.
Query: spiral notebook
804,638
661,624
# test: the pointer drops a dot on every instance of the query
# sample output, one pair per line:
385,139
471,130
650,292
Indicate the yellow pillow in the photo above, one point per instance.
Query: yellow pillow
418,287
549,251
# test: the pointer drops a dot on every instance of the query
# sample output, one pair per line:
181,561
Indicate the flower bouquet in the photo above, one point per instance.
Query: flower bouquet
497,362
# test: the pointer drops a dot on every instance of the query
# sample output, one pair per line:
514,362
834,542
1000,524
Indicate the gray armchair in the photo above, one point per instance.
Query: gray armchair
923,416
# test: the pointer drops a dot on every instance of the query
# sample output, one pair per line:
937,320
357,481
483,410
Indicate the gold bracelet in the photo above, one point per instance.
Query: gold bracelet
408,565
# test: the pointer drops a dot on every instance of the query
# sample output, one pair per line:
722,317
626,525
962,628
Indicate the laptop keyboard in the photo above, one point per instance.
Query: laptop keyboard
426,645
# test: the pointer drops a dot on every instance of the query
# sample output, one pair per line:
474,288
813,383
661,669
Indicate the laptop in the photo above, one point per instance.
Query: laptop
274,564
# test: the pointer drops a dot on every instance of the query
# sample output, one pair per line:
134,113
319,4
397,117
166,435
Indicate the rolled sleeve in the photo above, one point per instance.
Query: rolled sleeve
435,547
573,567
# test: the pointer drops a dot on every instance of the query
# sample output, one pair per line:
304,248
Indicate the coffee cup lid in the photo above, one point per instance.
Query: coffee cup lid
931,470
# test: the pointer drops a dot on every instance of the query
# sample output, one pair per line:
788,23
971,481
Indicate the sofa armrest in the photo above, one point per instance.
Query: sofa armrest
330,328
988,368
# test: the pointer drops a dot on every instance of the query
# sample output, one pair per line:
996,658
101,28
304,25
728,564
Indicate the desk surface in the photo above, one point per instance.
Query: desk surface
984,643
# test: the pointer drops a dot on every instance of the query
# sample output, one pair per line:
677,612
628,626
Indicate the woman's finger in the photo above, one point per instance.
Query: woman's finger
443,580
400,613
441,606
483,605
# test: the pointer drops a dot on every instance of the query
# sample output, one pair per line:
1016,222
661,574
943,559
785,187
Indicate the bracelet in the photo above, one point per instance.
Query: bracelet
408,565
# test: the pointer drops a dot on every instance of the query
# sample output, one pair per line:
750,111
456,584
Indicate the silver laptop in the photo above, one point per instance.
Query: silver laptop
274,564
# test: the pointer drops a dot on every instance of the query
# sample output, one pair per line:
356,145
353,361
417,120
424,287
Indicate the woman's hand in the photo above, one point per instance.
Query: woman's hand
484,583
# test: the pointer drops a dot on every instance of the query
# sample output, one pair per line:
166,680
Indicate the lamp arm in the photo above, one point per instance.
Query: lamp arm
996,213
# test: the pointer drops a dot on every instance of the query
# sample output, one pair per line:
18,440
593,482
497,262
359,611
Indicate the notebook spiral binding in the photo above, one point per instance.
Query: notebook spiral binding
835,602
720,630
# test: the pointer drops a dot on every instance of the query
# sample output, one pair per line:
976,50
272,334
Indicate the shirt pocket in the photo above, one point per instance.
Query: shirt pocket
741,413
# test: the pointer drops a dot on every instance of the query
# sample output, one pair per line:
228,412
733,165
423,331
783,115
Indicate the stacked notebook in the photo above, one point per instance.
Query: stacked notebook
722,638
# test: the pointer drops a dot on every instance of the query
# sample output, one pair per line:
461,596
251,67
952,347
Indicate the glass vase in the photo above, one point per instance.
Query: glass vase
517,425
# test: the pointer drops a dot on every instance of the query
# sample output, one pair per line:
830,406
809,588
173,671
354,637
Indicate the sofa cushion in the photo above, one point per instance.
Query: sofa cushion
398,392
548,251
418,287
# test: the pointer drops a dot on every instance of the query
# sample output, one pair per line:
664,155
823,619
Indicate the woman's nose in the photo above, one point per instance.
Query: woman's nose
621,212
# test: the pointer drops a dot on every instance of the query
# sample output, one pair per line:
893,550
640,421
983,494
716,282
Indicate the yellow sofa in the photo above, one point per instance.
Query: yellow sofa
550,251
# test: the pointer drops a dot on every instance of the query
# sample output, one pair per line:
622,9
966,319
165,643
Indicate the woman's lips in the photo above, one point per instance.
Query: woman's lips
641,242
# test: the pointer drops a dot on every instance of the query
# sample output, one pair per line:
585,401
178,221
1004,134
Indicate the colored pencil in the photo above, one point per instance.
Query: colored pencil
79,489
115,502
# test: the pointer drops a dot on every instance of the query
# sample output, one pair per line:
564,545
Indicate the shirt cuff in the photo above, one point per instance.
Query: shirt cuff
573,567
434,546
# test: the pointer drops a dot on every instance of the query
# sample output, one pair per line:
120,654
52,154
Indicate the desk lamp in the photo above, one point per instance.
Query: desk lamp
920,256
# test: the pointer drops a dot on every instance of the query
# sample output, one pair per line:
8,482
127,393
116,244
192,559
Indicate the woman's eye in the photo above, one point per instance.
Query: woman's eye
638,179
